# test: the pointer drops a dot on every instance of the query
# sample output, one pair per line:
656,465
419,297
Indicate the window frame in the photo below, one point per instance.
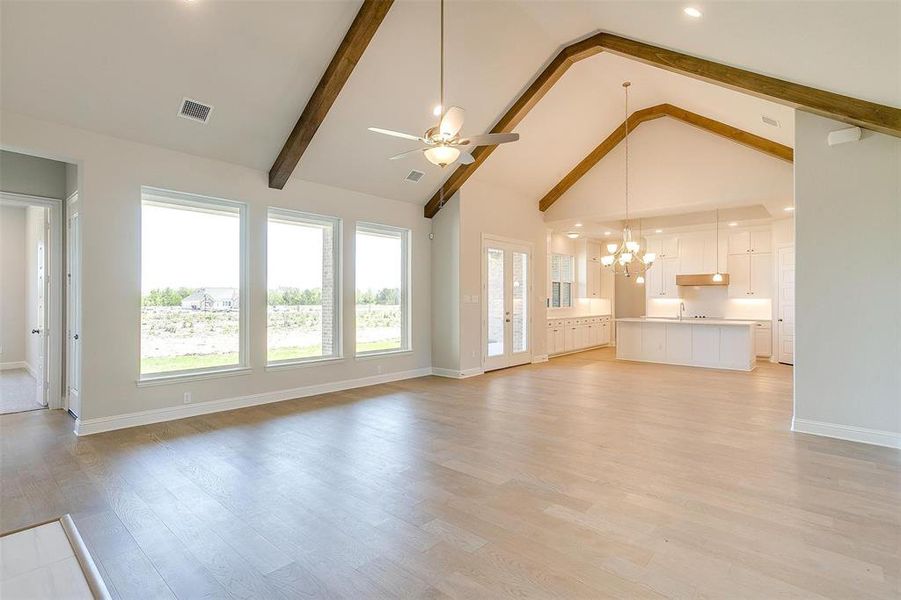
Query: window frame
405,291
336,224
551,281
164,197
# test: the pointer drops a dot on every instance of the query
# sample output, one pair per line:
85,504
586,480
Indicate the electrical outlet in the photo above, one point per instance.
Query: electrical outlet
188,398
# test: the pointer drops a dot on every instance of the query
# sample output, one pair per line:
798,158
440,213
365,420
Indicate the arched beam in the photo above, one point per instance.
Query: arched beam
869,115
735,134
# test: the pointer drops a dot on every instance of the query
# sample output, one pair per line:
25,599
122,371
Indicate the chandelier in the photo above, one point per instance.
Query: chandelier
626,258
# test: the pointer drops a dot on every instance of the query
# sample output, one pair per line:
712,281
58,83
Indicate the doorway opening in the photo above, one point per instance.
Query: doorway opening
32,294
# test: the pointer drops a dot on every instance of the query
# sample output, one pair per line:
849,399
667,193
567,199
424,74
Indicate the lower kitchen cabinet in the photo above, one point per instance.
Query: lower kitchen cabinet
570,335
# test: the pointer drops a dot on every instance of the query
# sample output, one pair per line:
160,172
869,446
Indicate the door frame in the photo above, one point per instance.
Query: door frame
487,238
72,304
54,300
777,305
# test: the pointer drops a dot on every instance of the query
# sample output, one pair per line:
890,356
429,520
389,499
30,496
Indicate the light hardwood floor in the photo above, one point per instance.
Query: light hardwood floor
579,478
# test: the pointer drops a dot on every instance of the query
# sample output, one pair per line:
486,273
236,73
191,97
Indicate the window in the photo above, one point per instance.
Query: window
192,284
561,280
303,291
382,289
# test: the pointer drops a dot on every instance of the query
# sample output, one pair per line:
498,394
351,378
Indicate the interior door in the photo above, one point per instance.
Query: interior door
785,324
40,325
507,312
73,296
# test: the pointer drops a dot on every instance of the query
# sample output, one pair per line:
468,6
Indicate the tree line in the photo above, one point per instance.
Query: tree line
288,296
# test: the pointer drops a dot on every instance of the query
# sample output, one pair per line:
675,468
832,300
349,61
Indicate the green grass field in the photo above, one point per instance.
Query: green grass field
166,364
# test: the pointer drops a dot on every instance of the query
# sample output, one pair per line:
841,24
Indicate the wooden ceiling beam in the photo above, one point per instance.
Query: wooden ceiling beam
355,41
644,115
869,115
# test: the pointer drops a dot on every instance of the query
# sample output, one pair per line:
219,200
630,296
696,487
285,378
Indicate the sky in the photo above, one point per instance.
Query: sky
184,248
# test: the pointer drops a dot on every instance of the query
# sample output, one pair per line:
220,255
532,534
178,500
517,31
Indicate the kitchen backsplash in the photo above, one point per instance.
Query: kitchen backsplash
711,302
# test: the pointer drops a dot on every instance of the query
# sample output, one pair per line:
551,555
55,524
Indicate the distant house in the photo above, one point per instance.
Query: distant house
212,299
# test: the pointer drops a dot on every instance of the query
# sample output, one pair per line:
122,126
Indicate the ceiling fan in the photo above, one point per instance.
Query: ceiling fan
443,142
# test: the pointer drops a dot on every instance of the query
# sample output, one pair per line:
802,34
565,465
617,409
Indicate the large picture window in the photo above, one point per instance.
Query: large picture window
562,267
382,289
302,281
192,283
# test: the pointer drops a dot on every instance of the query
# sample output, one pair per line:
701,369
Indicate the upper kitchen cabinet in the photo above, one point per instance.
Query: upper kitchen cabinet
697,253
589,269
664,246
750,275
750,241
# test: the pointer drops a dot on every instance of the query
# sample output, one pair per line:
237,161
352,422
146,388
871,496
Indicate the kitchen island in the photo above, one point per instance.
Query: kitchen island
710,343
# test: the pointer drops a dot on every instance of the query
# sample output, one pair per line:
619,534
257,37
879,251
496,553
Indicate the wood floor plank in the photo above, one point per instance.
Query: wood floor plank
578,478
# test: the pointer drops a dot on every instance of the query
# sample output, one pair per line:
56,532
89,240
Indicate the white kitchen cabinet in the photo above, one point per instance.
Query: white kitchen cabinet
605,331
697,253
660,279
555,341
653,342
763,339
570,335
664,246
678,344
750,275
589,270
750,241
705,344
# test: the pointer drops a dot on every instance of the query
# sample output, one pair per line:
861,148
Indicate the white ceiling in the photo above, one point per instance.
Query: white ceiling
121,68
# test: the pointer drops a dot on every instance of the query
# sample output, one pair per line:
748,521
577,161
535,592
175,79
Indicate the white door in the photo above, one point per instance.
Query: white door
41,313
785,324
73,296
507,314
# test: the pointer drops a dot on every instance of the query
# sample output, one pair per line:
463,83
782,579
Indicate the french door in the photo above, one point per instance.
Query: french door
506,309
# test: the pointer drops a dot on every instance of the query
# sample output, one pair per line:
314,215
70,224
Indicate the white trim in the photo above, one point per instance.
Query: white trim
18,364
194,375
158,415
512,245
456,374
31,371
540,358
381,354
287,365
889,439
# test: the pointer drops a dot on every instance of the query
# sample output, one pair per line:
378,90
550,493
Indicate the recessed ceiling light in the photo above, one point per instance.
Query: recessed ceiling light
691,11
437,110
789,209
733,224
607,233
658,231
572,234
577,225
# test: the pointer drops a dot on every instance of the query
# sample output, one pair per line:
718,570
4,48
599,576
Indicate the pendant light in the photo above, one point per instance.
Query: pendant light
717,277
620,257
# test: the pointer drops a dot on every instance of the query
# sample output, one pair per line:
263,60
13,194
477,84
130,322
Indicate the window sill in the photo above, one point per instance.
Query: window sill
195,376
299,364
381,354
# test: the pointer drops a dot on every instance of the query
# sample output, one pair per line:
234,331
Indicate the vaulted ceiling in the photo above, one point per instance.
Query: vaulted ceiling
121,68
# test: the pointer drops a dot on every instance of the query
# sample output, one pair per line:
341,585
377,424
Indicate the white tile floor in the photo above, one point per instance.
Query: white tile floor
39,563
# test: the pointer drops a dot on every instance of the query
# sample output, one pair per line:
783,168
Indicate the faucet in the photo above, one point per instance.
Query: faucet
681,309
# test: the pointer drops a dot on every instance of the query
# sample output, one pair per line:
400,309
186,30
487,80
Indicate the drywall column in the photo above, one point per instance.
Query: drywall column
446,289
848,284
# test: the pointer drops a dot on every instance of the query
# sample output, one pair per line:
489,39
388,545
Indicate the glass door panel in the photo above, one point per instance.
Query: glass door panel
520,296
496,299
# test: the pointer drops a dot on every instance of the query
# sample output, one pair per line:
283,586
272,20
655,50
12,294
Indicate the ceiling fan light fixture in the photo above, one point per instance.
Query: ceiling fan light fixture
442,155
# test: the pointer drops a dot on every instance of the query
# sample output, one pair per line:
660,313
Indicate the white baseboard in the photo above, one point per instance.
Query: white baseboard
456,374
158,415
539,358
8,366
851,433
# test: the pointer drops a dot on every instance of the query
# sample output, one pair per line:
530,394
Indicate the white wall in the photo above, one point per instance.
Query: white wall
675,167
111,173
445,276
489,209
848,284
24,174
13,326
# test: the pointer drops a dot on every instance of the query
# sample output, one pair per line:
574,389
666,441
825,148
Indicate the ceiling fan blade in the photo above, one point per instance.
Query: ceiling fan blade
407,153
466,158
398,134
488,139
452,121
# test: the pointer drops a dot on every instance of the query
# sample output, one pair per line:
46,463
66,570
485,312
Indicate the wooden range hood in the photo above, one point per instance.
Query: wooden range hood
701,279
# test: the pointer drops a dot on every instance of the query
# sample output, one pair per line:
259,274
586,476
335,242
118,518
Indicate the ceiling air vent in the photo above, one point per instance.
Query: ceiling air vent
194,110
414,176
770,121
